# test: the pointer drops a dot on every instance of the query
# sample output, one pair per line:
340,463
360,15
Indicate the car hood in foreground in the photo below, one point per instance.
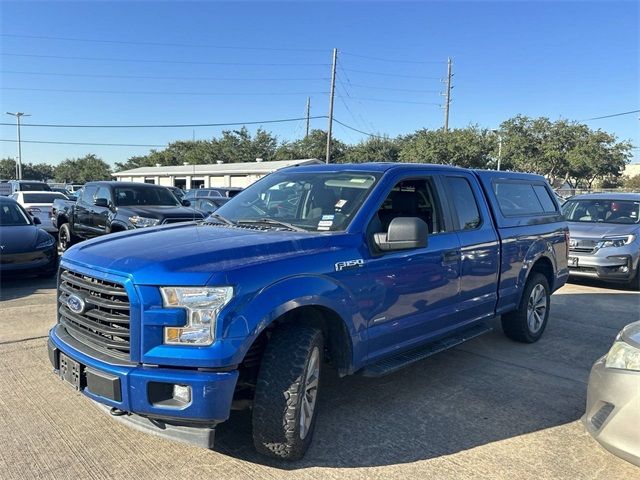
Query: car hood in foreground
600,230
189,254
19,238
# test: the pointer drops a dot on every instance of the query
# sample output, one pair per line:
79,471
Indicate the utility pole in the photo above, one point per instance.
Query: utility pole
448,95
308,115
331,95
18,115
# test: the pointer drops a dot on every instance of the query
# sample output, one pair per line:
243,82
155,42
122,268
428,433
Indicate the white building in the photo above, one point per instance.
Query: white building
209,175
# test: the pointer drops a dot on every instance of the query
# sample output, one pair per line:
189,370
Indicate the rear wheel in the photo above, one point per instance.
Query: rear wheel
65,238
284,406
527,323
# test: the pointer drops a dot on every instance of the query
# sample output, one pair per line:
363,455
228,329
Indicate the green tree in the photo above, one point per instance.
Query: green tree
30,171
80,170
312,146
632,182
470,147
7,169
373,149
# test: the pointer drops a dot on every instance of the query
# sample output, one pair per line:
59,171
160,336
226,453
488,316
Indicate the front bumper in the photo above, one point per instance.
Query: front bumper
613,410
132,393
620,267
37,261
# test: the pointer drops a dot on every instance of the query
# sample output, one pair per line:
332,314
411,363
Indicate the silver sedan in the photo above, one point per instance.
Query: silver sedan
613,397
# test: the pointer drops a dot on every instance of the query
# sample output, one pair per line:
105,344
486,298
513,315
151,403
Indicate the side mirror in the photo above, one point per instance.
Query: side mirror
404,233
186,203
36,221
101,202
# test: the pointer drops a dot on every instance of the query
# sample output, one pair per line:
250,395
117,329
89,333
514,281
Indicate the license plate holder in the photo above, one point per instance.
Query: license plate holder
573,261
70,371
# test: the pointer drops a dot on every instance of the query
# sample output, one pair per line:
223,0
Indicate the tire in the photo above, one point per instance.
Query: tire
527,323
65,238
635,283
286,390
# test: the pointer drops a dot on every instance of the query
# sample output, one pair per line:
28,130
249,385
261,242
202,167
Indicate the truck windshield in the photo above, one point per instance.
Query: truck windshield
130,196
602,211
309,201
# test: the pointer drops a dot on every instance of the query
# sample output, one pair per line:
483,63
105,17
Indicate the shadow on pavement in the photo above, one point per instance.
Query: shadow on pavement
14,286
485,391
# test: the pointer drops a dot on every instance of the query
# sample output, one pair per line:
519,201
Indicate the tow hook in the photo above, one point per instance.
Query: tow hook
116,412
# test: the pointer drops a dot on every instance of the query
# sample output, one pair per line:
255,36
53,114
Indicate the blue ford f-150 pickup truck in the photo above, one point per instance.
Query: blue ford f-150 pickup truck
366,267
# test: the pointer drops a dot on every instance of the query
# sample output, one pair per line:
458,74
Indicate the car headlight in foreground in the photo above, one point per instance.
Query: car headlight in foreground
623,356
140,222
45,242
202,305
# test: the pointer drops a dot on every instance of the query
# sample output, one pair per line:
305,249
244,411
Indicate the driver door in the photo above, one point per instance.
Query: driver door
416,291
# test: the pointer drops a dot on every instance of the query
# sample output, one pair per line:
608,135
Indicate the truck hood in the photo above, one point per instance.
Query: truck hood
189,254
162,212
600,230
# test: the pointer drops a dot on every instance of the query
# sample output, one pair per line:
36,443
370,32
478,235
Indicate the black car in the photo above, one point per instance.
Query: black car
24,248
208,205
107,207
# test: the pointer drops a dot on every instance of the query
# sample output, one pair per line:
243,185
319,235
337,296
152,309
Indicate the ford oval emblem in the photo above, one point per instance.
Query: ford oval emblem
75,303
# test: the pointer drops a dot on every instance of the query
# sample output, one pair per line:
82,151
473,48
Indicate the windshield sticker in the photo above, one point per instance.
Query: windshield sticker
328,217
341,203
325,223
323,228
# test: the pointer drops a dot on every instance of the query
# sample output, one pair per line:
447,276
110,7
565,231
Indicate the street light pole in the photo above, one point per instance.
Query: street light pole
497,132
18,115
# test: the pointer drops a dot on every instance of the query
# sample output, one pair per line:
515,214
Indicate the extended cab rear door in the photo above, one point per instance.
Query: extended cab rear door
479,246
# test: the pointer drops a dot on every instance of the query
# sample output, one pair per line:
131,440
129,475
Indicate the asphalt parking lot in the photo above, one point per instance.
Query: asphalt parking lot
488,409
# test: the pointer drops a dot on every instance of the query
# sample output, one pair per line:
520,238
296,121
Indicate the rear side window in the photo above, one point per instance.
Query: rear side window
34,186
464,201
41,197
517,199
548,205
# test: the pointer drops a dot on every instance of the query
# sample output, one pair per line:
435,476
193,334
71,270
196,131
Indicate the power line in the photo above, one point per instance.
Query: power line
385,74
384,100
179,125
359,131
83,143
612,115
408,90
144,92
393,60
147,77
182,62
162,44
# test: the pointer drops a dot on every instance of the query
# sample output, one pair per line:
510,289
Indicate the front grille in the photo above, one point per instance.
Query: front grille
183,219
103,323
583,245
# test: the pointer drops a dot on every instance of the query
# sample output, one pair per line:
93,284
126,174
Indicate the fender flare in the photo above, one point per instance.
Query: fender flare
259,312
541,248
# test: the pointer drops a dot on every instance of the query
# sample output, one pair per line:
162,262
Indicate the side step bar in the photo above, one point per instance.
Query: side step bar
400,360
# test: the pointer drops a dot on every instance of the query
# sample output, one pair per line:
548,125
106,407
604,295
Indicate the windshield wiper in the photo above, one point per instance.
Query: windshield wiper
217,216
271,221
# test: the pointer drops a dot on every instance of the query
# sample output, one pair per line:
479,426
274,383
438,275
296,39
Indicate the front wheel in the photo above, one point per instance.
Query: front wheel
284,406
527,323
65,238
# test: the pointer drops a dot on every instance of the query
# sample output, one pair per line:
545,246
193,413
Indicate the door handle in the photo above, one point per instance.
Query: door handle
451,256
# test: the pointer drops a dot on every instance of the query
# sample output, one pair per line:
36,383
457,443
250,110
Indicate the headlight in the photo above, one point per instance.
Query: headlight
617,241
202,305
44,243
140,222
623,356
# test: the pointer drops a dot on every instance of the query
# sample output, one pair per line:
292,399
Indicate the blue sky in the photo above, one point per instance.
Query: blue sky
575,60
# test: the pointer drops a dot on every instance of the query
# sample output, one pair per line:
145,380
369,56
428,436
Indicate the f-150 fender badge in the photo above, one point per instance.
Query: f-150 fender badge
349,264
